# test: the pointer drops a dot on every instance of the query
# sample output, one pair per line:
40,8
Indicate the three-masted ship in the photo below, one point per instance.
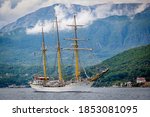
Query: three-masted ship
45,83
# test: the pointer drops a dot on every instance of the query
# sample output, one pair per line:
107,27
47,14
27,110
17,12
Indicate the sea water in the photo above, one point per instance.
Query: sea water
94,94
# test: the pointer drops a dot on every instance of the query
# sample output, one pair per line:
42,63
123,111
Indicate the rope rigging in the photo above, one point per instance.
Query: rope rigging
83,68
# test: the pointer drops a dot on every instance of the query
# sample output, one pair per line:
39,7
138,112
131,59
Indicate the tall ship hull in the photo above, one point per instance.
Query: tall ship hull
72,87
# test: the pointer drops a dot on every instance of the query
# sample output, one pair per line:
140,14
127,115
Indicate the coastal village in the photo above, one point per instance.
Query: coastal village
140,82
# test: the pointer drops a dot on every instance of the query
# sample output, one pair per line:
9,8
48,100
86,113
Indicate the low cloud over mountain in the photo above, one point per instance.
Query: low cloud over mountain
85,15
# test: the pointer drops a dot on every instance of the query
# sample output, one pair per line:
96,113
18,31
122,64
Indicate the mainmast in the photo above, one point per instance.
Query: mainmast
44,55
59,54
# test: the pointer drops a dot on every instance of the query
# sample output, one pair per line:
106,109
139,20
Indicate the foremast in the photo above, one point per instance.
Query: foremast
59,54
44,56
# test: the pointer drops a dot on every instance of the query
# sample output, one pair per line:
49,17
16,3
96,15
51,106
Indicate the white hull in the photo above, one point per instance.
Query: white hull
73,87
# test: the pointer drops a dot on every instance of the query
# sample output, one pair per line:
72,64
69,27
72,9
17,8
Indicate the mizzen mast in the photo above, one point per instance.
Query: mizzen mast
76,49
77,71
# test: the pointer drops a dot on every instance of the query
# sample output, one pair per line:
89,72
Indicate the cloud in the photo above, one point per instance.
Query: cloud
63,15
107,10
93,2
85,16
10,10
47,27
141,8
102,11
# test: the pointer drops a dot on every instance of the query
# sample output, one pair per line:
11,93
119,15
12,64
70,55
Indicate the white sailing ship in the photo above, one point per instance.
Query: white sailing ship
45,83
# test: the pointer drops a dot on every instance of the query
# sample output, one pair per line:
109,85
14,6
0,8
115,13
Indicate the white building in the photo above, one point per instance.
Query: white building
140,80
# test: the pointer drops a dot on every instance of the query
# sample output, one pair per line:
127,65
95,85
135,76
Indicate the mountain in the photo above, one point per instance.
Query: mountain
48,13
124,67
109,29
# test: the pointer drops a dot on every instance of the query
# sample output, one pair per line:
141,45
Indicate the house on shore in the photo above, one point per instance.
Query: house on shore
140,80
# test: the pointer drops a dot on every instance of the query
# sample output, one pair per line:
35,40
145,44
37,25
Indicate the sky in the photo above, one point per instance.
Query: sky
11,10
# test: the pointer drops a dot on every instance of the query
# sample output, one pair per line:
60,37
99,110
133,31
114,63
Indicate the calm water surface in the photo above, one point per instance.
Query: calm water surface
96,94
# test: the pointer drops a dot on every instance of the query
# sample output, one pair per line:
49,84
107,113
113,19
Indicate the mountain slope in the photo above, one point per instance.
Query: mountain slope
123,67
123,27
126,66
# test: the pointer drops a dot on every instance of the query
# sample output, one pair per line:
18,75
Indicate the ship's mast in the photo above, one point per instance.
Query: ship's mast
76,49
59,54
77,72
44,55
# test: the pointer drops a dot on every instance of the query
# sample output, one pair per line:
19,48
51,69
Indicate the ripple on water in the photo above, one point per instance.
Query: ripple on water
95,94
